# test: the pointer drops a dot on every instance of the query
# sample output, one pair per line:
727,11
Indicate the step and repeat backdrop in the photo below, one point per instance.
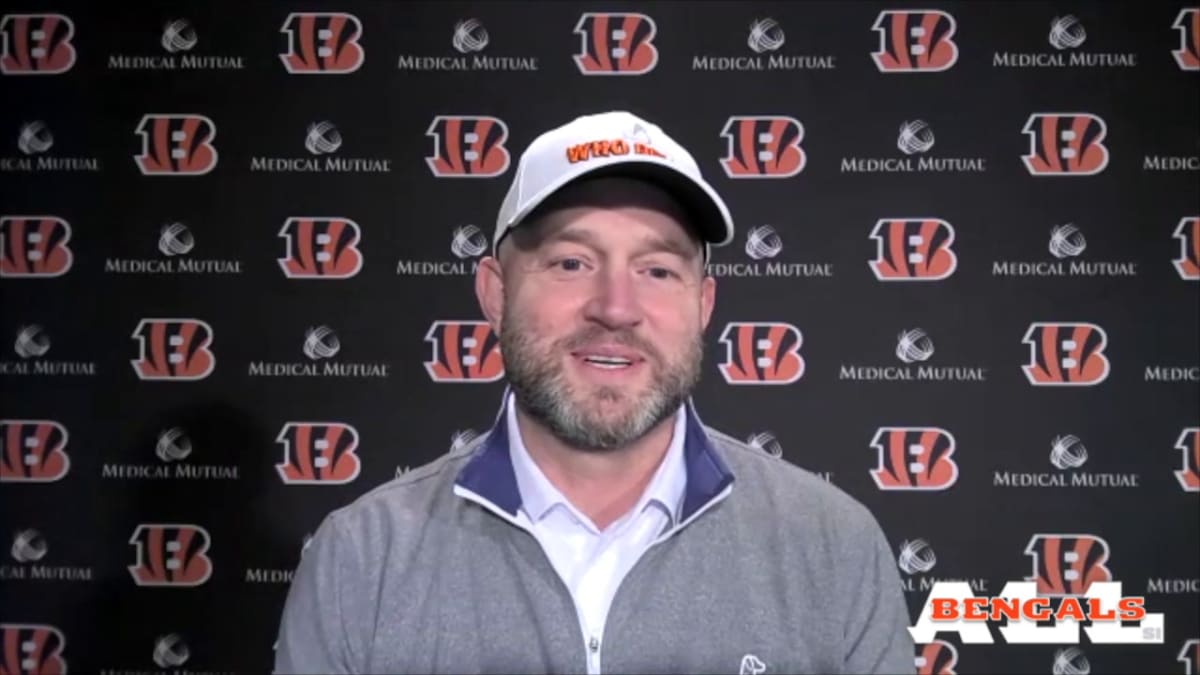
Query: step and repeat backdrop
236,252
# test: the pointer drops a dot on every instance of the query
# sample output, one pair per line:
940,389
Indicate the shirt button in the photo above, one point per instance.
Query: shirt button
594,644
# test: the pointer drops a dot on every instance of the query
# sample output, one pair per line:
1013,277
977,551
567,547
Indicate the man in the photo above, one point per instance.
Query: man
600,526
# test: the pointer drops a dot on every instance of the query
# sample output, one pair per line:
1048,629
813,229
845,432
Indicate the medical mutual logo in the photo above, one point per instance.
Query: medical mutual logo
763,248
914,351
178,41
35,141
32,344
765,42
917,559
1065,38
913,153
1067,456
323,141
470,41
467,244
179,458
175,244
32,553
322,347
1065,246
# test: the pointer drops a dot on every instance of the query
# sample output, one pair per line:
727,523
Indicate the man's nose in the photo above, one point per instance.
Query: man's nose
615,303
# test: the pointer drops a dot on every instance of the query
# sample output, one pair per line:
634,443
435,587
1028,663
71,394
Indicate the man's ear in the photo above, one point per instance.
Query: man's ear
489,290
708,300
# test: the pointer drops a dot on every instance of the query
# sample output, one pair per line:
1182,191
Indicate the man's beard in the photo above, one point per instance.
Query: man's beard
540,386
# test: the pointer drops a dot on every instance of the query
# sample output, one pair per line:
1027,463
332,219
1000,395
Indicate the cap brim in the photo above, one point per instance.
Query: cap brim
706,211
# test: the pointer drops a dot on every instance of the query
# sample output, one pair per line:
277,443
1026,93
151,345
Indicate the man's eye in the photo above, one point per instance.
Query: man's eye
661,273
570,264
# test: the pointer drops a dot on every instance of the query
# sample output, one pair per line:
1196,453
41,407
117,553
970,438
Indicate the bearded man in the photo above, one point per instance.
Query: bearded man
600,526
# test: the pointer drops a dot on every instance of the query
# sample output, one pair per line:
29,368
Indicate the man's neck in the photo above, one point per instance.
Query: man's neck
604,485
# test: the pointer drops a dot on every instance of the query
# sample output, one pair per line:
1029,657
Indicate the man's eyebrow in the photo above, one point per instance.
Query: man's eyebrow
651,244
684,250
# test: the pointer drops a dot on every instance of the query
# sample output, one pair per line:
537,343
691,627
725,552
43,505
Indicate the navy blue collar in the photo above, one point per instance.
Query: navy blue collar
489,472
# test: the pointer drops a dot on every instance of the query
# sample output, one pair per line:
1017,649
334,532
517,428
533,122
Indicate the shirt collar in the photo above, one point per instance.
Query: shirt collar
538,494
490,474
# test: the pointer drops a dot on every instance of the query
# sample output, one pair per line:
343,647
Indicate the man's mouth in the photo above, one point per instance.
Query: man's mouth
609,357
608,362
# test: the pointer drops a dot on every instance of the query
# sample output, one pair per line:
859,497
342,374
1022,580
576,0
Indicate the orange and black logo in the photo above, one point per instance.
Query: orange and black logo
1067,564
1065,144
464,351
915,41
914,458
468,146
173,349
34,246
322,43
616,44
763,146
761,353
176,145
31,649
913,249
1188,25
321,248
36,44
936,658
318,453
1189,475
33,451
1066,354
1188,234
170,554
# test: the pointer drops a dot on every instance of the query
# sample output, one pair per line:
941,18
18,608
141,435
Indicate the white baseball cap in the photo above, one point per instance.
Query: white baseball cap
613,143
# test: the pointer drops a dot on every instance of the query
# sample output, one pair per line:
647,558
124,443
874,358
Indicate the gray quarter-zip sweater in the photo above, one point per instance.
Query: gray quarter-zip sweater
776,572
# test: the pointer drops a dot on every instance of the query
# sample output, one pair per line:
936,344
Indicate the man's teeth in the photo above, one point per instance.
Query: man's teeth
608,361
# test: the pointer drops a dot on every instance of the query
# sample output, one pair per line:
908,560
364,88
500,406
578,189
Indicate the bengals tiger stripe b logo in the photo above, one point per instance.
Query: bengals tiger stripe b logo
31,649
320,248
1067,564
36,44
1065,144
33,451
464,351
914,458
318,453
915,41
173,349
616,44
468,146
913,249
1188,234
1188,54
763,146
176,145
170,554
1066,354
322,43
936,658
34,246
1189,475
761,353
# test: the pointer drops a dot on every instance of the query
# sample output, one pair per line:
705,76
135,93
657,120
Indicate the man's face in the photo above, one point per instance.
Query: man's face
604,307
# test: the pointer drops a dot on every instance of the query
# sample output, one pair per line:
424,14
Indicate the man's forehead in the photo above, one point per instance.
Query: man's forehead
577,212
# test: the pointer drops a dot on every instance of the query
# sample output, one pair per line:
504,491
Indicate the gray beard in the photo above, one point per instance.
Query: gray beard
541,389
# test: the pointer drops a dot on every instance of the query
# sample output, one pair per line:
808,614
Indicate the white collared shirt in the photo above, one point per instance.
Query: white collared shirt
592,563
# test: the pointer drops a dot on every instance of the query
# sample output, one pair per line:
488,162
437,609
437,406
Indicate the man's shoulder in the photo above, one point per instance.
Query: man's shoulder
412,493
788,491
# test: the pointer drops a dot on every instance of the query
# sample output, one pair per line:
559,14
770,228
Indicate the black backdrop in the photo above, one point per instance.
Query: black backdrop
948,160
